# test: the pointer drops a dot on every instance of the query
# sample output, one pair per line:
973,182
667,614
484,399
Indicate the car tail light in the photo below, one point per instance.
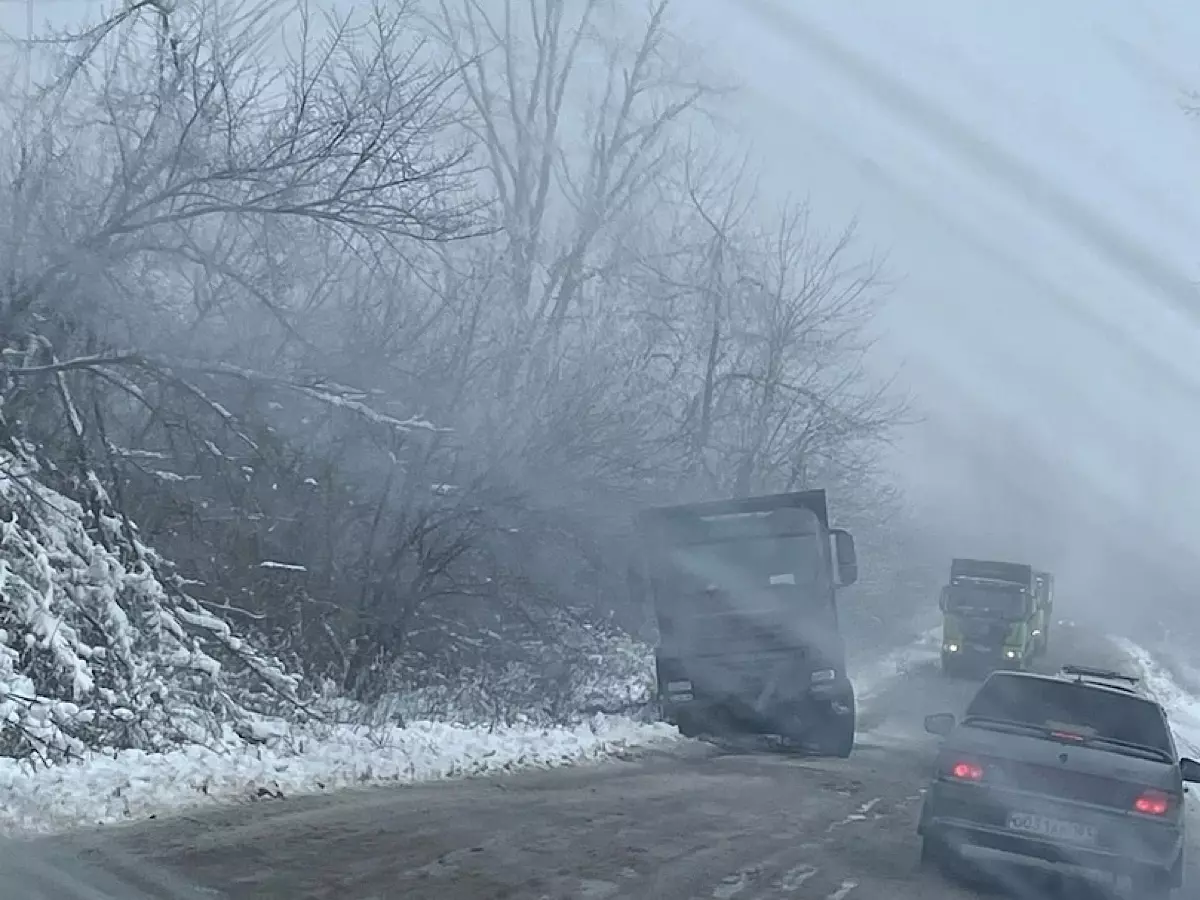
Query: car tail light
1066,736
964,770
1152,803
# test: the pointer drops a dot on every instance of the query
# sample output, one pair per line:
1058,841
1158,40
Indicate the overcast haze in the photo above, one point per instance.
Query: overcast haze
1031,173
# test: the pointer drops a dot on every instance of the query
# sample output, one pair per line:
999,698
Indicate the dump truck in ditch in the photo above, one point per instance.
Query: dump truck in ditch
745,596
995,615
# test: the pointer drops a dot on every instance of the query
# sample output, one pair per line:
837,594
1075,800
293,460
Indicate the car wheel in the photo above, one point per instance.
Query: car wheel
1159,886
935,853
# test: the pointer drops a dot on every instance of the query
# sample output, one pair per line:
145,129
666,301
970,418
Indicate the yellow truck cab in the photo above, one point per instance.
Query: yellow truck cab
995,615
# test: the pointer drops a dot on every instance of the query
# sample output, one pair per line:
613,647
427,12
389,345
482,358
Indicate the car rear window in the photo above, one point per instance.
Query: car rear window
1072,707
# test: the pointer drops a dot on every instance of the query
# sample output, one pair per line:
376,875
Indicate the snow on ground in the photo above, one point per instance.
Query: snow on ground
129,785
874,677
132,785
1183,707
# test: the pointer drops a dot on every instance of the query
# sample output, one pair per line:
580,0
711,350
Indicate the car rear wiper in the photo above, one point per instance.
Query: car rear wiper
1132,747
1059,733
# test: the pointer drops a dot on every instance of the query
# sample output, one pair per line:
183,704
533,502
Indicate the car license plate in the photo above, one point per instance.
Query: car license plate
1054,829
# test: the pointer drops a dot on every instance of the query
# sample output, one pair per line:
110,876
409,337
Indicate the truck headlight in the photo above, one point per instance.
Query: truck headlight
952,648
821,676
1010,654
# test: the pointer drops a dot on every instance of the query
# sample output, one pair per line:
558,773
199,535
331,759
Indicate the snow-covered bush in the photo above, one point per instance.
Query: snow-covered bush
587,671
99,646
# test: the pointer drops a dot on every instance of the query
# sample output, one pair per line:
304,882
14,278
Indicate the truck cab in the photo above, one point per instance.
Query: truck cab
994,616
745,597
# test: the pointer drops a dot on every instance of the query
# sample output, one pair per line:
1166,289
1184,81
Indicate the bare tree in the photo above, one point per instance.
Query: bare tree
768,328
191,163
383,343
160,311
174,187
560,187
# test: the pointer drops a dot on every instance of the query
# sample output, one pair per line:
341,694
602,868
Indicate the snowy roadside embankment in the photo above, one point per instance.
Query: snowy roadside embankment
101,646
1183,707
132,784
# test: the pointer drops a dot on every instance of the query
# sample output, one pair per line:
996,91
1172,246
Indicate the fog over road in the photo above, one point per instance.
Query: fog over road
697,821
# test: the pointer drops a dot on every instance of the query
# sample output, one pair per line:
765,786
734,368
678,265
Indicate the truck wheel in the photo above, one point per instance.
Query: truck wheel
843,740
837,735
689,725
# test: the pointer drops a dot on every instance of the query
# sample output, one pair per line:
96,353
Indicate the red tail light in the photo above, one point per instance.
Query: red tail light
1066,735
966,771
1152,803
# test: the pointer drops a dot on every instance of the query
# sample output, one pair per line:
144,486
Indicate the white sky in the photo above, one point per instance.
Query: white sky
1030,171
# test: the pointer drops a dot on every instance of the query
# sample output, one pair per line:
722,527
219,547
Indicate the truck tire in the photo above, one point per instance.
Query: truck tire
685,722
843,740
837,735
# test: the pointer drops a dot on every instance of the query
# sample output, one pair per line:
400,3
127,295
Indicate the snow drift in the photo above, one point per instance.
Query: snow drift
134,785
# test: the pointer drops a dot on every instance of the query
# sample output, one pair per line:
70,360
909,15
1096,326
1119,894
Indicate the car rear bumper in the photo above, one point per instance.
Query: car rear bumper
1127,845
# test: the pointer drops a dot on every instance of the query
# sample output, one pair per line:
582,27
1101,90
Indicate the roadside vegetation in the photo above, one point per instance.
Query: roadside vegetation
337,352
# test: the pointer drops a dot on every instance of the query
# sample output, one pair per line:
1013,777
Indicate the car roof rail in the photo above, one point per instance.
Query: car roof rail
1091,673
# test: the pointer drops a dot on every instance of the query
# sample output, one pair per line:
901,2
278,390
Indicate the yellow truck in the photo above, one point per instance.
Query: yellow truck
995,615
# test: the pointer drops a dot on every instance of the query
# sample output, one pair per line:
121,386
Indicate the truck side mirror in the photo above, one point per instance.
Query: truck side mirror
944,599
847,558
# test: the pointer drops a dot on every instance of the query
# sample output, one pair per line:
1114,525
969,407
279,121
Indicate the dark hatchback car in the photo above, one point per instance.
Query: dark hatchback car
1075,772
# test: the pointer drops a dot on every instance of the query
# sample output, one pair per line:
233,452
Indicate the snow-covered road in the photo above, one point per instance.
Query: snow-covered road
680,820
